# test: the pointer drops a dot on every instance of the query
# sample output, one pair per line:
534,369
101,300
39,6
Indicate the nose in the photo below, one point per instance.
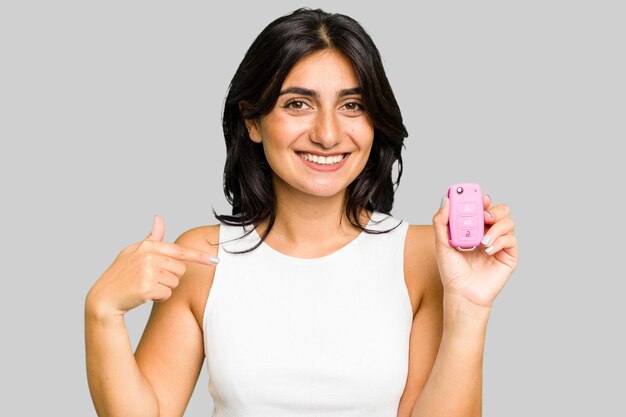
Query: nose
326,131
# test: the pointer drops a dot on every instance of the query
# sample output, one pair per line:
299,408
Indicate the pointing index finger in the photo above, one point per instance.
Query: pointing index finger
184,253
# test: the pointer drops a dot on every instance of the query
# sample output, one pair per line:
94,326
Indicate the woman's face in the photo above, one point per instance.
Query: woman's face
319,113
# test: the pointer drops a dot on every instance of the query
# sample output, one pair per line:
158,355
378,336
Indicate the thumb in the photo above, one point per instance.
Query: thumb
158,229
440,223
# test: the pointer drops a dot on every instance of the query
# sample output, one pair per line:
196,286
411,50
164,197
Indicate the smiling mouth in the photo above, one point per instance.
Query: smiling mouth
320,160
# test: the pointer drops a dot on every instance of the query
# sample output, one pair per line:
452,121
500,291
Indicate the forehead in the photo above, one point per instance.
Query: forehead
326,69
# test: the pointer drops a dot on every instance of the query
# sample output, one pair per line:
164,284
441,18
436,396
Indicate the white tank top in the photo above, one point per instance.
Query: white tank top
290,337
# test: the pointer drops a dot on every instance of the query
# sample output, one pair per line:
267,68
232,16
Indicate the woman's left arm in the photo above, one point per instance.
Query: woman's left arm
471,281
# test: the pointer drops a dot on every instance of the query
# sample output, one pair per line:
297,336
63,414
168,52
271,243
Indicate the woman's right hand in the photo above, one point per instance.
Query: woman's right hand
144,271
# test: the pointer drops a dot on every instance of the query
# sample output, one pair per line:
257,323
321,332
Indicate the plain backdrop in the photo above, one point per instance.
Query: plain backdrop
110,113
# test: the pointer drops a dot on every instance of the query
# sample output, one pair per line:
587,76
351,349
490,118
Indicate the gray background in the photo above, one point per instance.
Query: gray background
110,113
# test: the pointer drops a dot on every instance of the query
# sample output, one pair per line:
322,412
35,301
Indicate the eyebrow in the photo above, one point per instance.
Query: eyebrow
312,93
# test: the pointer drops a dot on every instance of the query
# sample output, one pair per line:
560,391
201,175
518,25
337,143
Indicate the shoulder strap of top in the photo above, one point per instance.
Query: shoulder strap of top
382,221
236,238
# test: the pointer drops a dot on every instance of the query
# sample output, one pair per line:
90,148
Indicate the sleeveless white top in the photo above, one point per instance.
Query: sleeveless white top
323,337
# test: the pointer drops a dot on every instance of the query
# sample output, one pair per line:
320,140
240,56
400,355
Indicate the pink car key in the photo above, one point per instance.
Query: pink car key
466,225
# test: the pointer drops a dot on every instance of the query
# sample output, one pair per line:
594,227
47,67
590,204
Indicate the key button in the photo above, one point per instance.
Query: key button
467,208
467,222
468,234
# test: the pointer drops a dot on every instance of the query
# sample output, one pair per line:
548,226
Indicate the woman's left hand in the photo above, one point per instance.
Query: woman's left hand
477,276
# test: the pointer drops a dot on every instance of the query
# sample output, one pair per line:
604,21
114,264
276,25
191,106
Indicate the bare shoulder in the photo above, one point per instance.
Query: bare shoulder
199,278
202,237
420,263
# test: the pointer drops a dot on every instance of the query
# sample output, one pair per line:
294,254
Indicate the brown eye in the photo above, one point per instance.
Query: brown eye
353,106
296,105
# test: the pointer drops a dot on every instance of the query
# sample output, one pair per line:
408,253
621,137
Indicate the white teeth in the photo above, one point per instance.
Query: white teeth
330,160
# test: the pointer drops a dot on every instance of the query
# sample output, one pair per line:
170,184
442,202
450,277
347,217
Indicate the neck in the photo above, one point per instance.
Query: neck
306,221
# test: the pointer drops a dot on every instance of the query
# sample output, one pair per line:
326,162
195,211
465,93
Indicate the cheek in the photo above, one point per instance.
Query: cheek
278,133
363,134
361,126
281,130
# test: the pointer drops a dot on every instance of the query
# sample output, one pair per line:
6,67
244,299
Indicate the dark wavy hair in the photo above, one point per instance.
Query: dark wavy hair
247,175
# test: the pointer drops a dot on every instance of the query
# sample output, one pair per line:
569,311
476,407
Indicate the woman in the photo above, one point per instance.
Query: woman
322,303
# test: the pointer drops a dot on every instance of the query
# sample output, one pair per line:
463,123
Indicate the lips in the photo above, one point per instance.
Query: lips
323,164
322,160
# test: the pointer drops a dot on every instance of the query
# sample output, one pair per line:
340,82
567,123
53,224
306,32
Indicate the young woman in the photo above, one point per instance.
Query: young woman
322,302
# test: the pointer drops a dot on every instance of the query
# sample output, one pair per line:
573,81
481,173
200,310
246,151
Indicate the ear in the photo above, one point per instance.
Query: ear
253,130
251,124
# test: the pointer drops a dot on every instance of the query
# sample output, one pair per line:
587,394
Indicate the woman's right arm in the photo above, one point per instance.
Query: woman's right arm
119,384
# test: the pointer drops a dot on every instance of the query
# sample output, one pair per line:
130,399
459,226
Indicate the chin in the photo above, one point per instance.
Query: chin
325,192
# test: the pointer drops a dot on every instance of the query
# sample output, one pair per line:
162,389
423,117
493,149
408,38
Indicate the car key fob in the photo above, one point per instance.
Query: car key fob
466,225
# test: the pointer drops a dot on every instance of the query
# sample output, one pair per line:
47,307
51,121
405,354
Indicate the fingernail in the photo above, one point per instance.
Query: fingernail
489,249
214,260
486,240
488,196
441,204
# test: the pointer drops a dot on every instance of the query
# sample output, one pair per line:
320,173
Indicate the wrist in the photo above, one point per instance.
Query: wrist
463,316
95,311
